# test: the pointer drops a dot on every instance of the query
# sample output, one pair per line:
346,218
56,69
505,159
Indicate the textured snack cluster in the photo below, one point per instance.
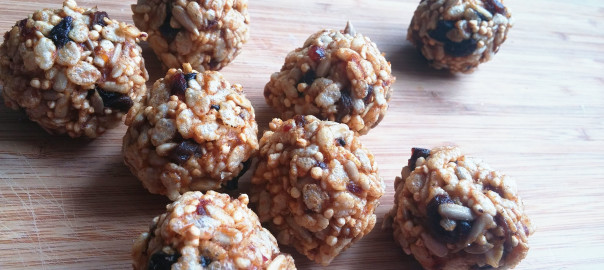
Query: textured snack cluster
206,34
193,131
337,75
454,212
316,185
459,34
72,70
208,231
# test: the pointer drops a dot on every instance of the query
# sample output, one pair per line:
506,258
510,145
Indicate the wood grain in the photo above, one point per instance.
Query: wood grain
536,112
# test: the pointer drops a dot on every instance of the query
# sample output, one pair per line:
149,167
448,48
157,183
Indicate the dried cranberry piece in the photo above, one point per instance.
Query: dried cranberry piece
215,107
341,141
494,6
201,207
162,261
264,258
287,128
316,53
178,85
165,29
461,49
309,77
367,97
354,188
344,105
98,18
234,183
190,76
114,100
181,153
300,120
415,154
59,33
205,261
442,28
462,228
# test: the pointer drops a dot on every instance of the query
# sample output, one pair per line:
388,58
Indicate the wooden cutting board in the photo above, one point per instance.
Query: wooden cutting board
536,112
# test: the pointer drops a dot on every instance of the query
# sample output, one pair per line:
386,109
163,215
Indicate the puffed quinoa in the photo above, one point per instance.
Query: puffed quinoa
206,34
337,75
316,185
66,79
193,131
454,212
458,35
208,231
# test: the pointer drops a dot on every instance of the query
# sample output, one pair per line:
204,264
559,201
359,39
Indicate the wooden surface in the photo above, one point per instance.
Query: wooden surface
536,112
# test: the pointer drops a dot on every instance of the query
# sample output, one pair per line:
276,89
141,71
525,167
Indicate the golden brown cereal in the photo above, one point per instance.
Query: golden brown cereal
316,185
193,131
72,70
454,212
208,231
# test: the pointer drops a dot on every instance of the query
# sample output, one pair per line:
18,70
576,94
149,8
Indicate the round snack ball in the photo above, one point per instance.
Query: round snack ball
206,34
193,131
454,212
338,76
72,70
316,185
208,231
459,35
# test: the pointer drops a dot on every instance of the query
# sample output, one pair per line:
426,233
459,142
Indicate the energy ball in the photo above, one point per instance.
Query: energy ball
206,34
193,131
208,231
458,35
316,185
73,70
454,212
338,76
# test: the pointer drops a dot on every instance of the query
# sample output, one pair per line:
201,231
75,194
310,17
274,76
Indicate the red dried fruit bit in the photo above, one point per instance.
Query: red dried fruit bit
415,154
316,53
287,127
344,105
354,188
494,6
98,18
26,32
59,33
181,153
201,207
264,258
178,85
114,100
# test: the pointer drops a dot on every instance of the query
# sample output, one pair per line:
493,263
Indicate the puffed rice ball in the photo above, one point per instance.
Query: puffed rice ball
206,34
458,35
338,76
73,70
193,131
454,212
316,185
208,231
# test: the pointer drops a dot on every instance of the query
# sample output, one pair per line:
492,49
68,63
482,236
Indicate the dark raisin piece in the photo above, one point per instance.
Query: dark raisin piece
201,207
316,53
215,107
341,141
178,86
234,183
367,97
321,165
98,18
344,105
214,64
205,261
460,49
462,228
59,33
287,128
309,77
190,76
442,28
181,153
415,154
494,6
162,261
114,100
354,188
26,32
165,29
300,120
